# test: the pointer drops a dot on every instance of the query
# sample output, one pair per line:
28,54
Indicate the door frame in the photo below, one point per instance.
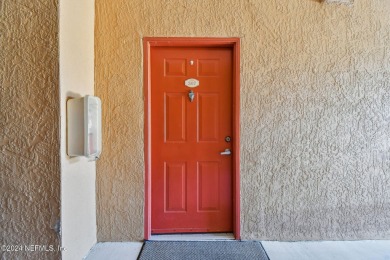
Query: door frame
234,44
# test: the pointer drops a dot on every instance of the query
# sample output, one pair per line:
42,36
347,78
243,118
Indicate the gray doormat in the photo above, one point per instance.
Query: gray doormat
224,250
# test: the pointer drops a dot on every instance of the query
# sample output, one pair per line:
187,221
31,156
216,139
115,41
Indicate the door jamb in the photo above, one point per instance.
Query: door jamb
234,44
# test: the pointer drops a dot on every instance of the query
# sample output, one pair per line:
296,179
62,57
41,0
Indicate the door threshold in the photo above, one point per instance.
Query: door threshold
193,237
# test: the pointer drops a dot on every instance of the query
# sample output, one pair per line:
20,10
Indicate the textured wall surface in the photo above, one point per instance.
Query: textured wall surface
315,106
29,128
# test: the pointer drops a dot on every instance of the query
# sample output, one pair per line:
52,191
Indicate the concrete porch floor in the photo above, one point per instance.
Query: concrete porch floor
308,250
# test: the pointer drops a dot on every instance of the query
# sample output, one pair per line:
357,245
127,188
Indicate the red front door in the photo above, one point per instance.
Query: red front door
191,113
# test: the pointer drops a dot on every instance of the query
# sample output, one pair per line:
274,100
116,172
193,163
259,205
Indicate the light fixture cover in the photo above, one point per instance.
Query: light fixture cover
346,2
84,126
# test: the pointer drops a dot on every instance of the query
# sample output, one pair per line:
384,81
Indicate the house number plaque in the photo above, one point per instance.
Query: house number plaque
191,83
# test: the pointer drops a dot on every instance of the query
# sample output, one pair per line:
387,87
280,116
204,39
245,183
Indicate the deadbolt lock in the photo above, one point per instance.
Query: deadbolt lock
228,139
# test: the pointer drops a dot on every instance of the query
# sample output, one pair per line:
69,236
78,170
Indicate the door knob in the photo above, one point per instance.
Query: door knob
226,152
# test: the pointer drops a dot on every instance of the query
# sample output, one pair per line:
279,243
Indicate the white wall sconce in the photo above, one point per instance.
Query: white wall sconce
345,2
84,127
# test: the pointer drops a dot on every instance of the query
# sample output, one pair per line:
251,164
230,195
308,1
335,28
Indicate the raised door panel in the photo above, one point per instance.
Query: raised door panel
175,179
175,67
208,186
208,67
175,117
208,117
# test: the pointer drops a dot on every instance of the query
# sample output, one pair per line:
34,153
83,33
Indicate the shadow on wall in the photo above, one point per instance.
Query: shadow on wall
70,95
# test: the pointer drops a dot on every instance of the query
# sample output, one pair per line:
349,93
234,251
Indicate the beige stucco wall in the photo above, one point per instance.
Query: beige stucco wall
29,129
315,106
